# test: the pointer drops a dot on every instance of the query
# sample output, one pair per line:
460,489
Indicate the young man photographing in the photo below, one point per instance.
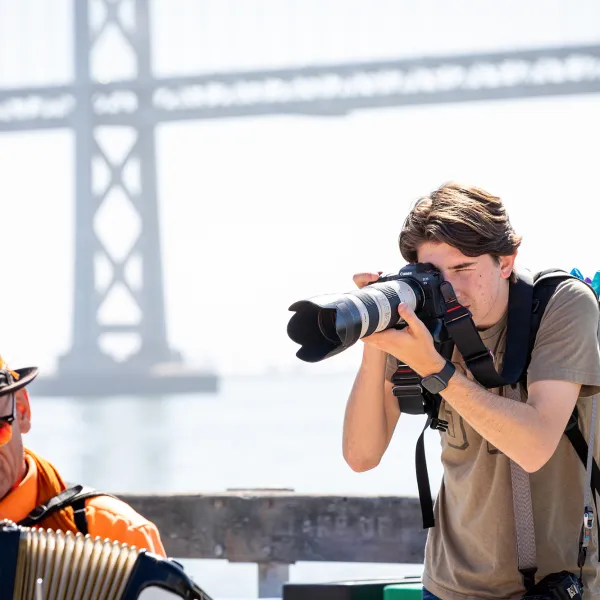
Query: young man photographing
29,482
471,552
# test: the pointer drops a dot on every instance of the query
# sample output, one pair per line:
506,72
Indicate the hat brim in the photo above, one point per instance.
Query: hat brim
26,376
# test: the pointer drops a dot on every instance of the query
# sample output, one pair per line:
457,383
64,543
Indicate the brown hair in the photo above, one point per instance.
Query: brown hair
468,218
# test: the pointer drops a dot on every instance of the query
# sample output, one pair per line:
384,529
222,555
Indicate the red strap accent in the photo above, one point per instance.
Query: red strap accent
454,308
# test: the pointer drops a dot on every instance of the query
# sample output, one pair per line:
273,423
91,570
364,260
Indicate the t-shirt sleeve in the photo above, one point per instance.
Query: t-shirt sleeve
391,366
147,536
116,520
566,347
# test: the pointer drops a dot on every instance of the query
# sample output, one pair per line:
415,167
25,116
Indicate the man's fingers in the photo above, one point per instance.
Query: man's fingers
377,340
362,279
408,314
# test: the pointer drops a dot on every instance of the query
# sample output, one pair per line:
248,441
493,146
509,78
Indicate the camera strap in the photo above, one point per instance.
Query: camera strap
477,357
523,512
415,400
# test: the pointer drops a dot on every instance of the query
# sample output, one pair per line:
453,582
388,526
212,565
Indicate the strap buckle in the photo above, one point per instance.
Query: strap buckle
588,525
452,305
37,513
405,376
439,424
528,575
586,535
402,391
456,313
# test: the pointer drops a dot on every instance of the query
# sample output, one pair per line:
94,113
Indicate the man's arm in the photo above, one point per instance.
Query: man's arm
147,537
371,413
528,433
372,410
565,357
116,520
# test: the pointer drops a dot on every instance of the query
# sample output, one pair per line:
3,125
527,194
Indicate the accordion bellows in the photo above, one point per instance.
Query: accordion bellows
72,566
77,567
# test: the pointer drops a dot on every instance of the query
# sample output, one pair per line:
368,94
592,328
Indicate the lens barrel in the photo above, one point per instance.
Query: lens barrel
328,324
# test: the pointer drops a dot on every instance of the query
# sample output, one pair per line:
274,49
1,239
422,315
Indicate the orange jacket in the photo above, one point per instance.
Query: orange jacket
107,517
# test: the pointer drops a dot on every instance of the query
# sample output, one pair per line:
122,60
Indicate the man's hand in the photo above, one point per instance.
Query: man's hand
412,345
362,279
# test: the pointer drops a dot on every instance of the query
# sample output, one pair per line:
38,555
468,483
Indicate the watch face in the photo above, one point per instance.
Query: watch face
434,384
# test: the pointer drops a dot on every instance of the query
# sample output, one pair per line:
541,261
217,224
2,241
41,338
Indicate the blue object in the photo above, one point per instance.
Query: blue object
577,273
596,282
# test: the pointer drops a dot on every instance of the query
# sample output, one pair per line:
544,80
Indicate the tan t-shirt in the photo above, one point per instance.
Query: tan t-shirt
471,552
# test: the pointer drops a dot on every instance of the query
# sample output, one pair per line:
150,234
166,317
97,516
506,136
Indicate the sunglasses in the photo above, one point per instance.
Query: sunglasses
6,423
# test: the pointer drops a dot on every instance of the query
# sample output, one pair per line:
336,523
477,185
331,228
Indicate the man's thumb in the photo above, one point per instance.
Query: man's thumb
408,314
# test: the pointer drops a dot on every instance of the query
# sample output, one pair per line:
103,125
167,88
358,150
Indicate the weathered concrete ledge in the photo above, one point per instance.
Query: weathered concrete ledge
283,527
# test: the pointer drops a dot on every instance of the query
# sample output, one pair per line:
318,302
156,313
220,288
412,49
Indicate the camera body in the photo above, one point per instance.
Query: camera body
412,398
556,586
425,280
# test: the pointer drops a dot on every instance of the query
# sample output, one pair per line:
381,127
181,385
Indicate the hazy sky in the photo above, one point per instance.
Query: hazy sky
257,213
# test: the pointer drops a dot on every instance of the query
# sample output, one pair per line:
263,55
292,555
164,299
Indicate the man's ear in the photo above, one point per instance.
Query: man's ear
23,410
507,265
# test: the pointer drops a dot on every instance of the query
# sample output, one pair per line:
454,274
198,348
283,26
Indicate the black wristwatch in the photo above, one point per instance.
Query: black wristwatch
438,382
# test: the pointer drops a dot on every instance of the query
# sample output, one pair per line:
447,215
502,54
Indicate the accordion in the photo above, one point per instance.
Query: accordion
41,564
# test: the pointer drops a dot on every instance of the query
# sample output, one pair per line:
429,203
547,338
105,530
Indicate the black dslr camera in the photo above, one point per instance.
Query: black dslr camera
426,283
329,324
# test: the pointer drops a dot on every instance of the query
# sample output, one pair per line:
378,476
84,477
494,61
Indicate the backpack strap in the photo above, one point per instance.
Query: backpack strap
545,284
580,446
578,442
74,497
520,301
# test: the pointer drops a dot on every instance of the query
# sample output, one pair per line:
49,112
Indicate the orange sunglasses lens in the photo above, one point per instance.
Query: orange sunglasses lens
5,433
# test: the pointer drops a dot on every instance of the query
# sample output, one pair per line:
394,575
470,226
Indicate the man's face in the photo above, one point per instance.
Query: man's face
12,453
480,283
